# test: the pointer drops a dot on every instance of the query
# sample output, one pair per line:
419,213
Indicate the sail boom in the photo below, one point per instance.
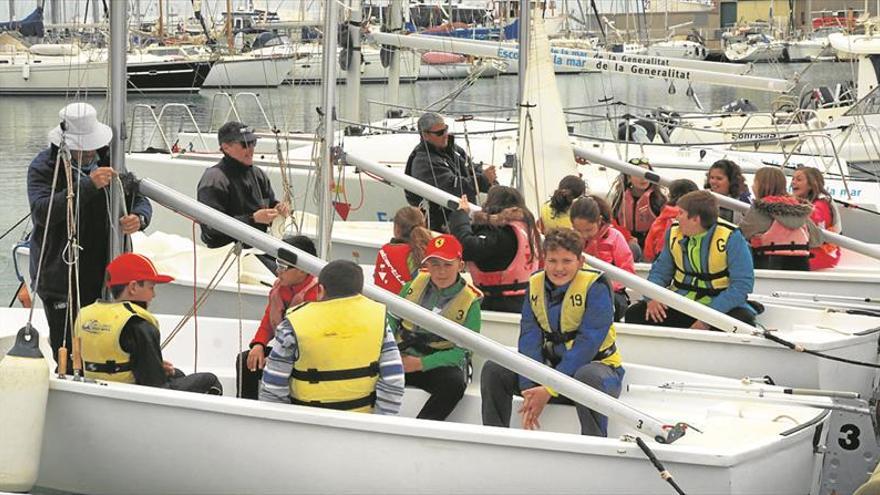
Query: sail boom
510,52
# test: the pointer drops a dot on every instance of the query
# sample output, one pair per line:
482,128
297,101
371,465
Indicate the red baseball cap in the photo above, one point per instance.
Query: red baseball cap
131,267
445,246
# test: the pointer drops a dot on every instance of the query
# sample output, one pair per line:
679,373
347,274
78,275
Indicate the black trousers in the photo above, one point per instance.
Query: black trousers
621,303
675,318
247,382
200,383
446,385
59,329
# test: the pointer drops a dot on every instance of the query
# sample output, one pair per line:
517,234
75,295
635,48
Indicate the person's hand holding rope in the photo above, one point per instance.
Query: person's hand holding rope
101,176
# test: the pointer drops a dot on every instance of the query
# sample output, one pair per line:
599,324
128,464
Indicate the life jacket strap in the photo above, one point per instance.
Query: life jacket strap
554,359
700,291
705,277
559,337
312,375
770,248
107,367
345,405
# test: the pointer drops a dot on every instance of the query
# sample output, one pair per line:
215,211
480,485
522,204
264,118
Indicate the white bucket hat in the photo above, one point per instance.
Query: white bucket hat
83,131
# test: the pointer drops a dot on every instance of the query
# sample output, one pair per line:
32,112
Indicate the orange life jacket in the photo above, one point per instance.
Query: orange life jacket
513,280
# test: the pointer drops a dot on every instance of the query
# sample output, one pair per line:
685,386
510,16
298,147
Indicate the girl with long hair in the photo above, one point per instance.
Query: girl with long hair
809,185
502,247
399,260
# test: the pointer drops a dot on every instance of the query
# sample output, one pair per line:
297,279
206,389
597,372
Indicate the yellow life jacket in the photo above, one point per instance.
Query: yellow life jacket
339,342
710,278
456,310
99,326
574,304
553,220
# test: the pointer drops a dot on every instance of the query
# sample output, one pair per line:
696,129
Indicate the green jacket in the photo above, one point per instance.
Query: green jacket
434,299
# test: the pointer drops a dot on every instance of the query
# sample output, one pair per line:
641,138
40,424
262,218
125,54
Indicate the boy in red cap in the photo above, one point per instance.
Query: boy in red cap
433,363
120,339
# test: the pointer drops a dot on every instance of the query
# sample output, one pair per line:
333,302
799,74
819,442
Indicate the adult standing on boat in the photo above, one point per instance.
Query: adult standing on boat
566,324
554,213
704,258
237,188
433,363
778,225
398,260
292,287
502,247
87,140
808,184
120,338
726,178
336,353
635,204
438,161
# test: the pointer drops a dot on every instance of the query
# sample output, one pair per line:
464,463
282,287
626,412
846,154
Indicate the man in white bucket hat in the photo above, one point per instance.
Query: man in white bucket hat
87,141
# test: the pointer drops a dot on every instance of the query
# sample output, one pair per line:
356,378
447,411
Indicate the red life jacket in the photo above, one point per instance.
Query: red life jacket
780,240
392,267
636,216
300,296
513,280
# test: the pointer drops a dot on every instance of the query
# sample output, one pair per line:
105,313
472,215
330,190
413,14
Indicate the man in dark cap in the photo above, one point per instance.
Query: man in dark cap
237,188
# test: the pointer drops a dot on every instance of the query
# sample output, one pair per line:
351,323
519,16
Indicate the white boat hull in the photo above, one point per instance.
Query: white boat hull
244,71
123,435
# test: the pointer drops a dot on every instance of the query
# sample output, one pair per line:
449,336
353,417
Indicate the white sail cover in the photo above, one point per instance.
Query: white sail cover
545,153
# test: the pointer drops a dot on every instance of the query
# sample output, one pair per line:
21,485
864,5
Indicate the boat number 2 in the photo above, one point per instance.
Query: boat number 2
577,299
849,439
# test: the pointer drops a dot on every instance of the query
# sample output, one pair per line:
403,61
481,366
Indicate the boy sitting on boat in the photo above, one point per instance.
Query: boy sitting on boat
336,353
567,323
120,339
433,363
292,287
704,258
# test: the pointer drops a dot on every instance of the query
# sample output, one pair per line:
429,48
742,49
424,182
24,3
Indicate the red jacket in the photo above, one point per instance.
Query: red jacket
657,233
827,255
610,246
289,296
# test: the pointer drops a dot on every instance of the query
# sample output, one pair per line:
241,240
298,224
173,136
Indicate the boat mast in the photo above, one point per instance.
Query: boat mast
394,20
325,217
11,10
230,42
161,20
525,18
353,74
118,88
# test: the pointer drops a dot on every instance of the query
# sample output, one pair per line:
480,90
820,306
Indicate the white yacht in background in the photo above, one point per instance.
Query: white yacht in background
752,44
815,46
252,69
679,48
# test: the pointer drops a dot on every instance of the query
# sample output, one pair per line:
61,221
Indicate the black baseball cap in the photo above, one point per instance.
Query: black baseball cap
235,131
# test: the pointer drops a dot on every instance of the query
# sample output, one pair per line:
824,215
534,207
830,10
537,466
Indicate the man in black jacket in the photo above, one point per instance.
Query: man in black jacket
237,188
438,161
58,286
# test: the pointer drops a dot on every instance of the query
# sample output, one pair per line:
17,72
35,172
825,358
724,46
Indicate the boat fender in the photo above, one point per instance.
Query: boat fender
26,71
24,390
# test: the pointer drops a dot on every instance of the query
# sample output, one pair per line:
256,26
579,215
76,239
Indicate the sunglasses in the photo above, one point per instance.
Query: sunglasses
639,161
440,132
248,144
282,266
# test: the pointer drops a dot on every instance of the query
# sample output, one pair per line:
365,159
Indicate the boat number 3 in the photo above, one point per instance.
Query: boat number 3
577,299
849,439
639,424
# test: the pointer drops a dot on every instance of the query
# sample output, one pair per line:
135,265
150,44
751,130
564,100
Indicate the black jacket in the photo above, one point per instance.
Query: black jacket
237,190
448,169
93,227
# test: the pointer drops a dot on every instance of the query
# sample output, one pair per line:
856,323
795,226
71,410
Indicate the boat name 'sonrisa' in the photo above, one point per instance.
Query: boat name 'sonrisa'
748,136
